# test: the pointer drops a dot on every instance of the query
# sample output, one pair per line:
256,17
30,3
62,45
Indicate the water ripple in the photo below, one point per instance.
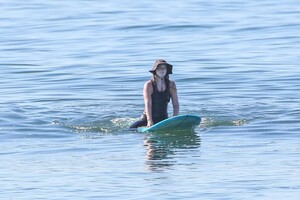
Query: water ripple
72,75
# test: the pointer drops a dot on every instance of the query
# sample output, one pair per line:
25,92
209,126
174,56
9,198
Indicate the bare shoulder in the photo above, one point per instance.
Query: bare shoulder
148,85
172,84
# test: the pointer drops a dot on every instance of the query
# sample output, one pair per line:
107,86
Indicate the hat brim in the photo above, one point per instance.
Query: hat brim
169,68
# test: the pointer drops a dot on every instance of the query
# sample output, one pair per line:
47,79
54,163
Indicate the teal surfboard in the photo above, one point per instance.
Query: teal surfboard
177,123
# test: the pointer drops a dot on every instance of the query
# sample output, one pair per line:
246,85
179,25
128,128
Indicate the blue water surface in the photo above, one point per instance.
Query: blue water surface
72,74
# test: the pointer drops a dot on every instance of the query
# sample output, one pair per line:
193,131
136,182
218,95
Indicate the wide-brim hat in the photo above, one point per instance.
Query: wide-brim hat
162,62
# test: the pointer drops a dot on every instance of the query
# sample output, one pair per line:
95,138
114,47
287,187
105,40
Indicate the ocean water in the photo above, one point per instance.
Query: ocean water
71,80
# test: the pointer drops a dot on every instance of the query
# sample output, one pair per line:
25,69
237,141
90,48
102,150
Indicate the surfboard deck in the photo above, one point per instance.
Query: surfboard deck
177,123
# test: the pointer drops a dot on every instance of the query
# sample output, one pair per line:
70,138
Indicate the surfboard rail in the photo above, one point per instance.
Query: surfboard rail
177,123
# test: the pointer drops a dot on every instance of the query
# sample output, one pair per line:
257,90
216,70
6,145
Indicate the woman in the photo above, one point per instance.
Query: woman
157,94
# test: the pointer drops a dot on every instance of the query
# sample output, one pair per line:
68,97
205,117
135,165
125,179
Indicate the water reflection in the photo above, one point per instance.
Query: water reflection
163,148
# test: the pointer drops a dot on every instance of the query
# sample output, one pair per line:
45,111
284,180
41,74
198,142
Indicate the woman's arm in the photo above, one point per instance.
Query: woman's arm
174,96
148,90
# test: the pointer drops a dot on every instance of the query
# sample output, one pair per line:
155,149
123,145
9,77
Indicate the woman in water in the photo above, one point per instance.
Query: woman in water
157,94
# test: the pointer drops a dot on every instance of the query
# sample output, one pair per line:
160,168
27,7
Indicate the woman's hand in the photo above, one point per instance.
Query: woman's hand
149,123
